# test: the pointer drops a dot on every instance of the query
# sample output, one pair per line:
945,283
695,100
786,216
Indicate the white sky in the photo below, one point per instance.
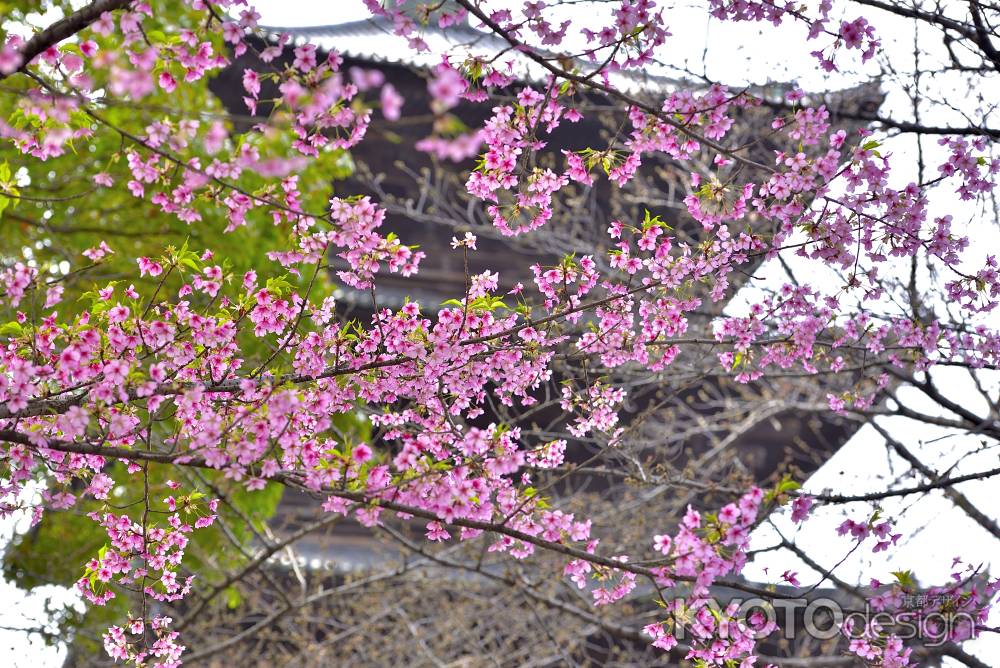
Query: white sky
934,530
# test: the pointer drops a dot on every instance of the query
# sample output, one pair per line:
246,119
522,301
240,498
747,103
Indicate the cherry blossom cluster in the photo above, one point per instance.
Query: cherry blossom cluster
145,557
949,613
856,34
705,549
163,652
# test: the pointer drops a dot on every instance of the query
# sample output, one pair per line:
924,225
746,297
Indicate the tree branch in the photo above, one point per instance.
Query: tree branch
64,28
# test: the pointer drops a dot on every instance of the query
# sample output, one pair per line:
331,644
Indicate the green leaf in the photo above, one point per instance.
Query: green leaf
785,485
905,579
11,329
233,598
279,285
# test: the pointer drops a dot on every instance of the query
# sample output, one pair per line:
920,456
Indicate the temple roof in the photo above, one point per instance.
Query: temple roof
374,39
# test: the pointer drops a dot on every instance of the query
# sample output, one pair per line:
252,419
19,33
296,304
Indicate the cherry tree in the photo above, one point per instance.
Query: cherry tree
175,357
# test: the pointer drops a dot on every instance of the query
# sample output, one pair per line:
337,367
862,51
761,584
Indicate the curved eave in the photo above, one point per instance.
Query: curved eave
374,40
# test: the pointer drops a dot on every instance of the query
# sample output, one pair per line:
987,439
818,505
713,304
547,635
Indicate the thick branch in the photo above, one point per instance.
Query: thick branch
610,91
64,28
293,480
956,497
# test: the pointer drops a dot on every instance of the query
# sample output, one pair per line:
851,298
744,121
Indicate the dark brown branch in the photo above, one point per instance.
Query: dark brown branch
607,90
64,28
908,127
954,495
292,480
